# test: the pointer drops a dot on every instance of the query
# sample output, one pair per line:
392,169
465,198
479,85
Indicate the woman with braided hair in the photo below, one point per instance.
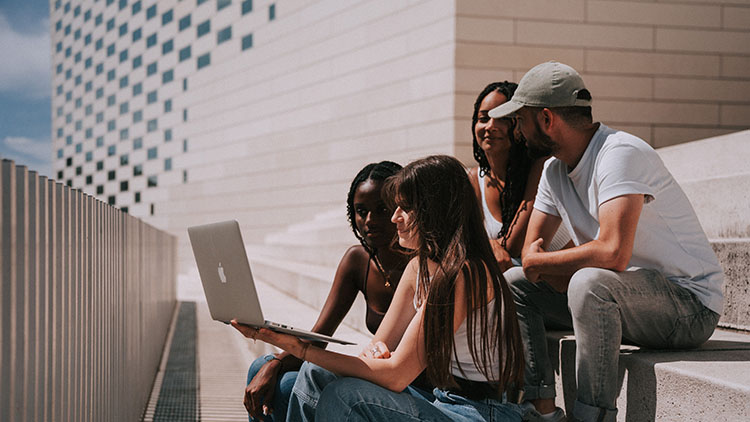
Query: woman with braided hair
373,267
506,179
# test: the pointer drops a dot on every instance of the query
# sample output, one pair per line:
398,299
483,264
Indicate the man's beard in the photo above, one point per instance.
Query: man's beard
541,146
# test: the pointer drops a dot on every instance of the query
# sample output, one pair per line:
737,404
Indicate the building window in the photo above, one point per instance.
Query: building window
150,12
224,35
79,171
111,175
86,63
124,107
204,60
167,17
111,200
167,106
111,150
123,29
167,47
98,20
89,180
124,186
99,44
124,134
137,197
167,76
247,42
272,12
136,7
123,4
124,160
137,61
185,53
167,135
137,34
151,182
151,40
184,22
137,170
87,39
151,69
99,165
184,145
100,117
137,116
68,52
111,75
110,49
111,126
152,125
168,164
89,133
204,28
137,143
184,176
151,97
89,109
89,156
184,115
123,55
99,190
247,6
184,84
110,24
111,100
123,82
77,57
99,92
137,89
151,153
99,68
220,4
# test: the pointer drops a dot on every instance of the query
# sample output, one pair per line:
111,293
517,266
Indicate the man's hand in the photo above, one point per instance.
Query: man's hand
534,249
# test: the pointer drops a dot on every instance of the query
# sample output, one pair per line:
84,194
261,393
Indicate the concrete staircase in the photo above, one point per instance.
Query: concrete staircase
711,383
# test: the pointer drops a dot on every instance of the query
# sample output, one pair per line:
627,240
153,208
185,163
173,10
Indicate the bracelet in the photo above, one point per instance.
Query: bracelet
304,350
271,358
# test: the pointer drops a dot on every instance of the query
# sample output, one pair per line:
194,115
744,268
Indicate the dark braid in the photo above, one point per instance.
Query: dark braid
519,162
376,172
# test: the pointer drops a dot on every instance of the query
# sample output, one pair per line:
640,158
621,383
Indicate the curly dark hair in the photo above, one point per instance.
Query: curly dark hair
519,161
376,172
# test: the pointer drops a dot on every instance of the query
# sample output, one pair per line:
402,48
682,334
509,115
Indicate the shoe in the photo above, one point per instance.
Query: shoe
530,414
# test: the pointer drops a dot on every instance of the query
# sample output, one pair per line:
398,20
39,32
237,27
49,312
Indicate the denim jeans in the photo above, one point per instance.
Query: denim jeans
604,307
282,391
318,393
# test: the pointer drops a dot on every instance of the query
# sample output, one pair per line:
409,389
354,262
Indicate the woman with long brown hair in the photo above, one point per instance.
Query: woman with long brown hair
452,314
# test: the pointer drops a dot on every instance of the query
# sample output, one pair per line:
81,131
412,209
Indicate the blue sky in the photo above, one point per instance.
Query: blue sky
25,111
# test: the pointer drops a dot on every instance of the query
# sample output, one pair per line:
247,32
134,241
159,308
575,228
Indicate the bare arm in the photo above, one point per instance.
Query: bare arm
515,241
618,220
394,373
401,310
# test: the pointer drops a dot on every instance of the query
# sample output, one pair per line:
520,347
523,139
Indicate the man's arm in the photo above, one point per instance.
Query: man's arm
618,220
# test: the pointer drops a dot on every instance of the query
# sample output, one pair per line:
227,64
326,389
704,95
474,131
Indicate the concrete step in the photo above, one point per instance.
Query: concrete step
305,283
708,383
325,255
734,256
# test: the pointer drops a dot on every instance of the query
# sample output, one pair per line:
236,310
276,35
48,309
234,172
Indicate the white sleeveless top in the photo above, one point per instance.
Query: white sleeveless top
491,225
462,360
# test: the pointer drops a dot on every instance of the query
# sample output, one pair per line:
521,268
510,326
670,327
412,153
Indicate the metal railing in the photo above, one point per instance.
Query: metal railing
86,299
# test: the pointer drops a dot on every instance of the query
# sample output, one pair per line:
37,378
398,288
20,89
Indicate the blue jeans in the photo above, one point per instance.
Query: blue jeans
283,390
603,307
320,394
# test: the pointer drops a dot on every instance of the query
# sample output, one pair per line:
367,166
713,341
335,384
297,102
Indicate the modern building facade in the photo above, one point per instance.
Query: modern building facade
192,111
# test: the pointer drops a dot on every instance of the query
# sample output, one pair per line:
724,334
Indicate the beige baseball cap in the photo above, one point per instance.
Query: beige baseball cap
549,84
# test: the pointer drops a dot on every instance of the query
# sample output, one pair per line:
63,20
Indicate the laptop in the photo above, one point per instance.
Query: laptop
228,282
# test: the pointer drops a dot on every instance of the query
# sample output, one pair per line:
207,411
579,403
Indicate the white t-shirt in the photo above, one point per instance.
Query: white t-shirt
668,238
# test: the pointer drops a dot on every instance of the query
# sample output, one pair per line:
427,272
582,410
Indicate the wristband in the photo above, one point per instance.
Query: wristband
271,358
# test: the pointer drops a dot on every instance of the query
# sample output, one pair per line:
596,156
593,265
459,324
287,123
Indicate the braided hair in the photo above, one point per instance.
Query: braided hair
519,162
376,172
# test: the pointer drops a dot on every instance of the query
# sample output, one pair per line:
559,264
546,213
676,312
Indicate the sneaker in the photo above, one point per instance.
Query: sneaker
530,414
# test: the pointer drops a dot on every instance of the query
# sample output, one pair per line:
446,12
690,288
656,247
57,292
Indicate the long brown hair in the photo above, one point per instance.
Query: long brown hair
450,231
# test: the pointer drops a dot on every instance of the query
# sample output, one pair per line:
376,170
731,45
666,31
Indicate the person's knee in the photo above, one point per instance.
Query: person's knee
589,287
340,397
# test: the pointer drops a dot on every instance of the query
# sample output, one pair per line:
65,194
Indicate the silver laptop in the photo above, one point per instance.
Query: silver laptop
227,280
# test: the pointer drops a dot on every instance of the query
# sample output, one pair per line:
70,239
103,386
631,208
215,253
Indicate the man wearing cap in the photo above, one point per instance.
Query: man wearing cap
641,270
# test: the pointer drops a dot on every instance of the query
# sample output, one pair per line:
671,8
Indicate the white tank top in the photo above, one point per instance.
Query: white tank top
491,225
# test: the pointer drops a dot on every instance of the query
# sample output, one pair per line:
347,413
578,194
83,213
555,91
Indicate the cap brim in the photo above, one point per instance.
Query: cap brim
505,109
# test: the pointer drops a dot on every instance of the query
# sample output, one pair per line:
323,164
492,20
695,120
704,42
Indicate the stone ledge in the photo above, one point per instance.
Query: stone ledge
669,385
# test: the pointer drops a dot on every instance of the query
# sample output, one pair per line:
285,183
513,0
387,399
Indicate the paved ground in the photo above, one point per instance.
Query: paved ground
223,355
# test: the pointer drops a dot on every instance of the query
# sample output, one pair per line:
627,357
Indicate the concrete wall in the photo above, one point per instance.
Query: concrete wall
276,135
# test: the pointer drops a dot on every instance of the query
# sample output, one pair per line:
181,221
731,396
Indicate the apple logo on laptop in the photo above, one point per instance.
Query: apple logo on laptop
221,274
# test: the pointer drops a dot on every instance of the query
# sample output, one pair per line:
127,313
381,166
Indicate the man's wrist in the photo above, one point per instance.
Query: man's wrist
271,357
